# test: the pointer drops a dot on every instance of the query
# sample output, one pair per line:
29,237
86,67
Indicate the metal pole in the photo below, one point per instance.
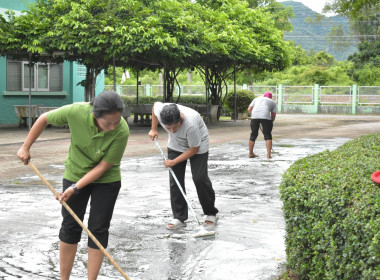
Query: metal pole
30,92
114,74
137,87
164,93
235,93
207,88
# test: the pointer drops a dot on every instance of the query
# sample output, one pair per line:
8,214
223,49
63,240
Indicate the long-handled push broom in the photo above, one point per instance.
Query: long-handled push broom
202,231
79,222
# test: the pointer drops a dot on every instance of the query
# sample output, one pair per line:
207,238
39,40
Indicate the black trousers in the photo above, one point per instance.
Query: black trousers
202,182
103,199
267,126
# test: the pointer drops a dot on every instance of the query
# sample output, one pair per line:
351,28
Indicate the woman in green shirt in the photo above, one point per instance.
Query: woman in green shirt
99,136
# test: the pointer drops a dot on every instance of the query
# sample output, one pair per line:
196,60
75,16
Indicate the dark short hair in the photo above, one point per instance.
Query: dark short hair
170,114
108,102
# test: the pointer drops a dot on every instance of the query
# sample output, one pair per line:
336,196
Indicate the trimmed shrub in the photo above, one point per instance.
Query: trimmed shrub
243,99
192,99
332,212
128,100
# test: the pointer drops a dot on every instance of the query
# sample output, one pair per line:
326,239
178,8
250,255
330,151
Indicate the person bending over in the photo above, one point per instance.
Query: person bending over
99,136
188,140
263,113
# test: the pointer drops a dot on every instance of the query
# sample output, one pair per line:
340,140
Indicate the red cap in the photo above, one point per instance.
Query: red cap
268,94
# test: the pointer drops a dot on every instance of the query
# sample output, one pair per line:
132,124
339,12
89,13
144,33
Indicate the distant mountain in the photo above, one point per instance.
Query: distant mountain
312,36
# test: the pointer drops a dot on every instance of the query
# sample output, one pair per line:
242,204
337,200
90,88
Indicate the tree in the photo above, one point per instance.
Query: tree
278,12
364,16
20,38
82,31
163,37
178,24
216,36
366,64
323,59
338,38
236,38
298,55
281,16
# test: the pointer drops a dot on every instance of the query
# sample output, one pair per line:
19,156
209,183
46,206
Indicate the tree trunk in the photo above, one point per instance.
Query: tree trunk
170,78
89,84
160,83
215,78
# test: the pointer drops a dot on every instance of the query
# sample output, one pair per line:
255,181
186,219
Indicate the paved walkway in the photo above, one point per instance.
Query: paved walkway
250,235
52,146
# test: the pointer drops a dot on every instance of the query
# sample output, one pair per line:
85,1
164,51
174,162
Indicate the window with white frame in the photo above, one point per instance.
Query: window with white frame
40,77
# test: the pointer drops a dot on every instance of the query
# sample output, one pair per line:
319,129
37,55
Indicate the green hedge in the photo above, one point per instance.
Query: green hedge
128,100
332,212
193,99
243,99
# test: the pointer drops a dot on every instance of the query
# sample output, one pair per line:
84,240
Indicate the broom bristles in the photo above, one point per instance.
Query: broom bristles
204,233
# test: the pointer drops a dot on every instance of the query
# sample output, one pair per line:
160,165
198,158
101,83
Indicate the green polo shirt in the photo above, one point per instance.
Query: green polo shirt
88,146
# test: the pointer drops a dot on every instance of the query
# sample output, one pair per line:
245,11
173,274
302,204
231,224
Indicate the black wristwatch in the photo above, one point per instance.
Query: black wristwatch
76,190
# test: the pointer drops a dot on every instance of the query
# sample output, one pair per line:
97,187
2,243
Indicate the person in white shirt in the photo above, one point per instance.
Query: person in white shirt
263,112
188,140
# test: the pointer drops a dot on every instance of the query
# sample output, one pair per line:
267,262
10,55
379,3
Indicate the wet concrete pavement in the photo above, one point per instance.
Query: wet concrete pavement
249,243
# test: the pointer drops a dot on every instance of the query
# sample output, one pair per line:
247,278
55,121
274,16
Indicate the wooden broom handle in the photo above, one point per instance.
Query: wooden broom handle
79,221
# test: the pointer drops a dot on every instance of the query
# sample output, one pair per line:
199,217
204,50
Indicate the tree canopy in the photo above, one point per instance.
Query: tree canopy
363,14
159,34
364,18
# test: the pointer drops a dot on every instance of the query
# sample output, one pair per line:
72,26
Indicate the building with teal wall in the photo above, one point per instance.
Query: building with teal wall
61,81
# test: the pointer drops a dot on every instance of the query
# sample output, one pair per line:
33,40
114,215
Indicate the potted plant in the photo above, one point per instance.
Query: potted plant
243,99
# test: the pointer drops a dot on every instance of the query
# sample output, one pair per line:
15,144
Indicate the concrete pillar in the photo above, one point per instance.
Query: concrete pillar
316,99
354,98
148,90
279,98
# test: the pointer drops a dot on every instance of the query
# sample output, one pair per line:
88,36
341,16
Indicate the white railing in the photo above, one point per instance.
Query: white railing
327,95
298,95
335,95
259,90
369,95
